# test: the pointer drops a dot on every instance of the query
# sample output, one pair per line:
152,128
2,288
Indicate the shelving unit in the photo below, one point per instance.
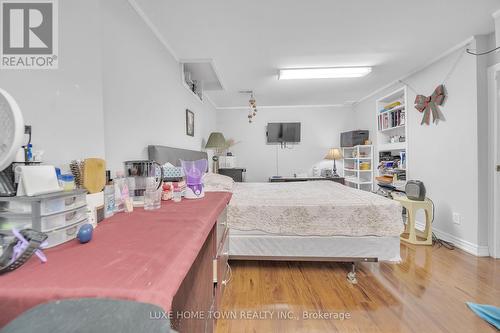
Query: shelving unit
198,76
392,134
356,177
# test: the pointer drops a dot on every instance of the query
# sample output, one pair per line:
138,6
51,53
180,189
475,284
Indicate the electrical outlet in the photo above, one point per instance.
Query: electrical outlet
456,218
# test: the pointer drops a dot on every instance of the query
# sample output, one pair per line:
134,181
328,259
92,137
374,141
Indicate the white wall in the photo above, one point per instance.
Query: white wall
64,106
496,17
320,130
444,156
144,101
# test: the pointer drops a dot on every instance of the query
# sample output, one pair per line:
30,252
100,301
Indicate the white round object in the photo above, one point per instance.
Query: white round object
11,129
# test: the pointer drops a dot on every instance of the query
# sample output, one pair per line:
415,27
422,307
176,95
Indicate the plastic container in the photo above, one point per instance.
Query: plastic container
67,182
177,195
152,195
119,182
109,200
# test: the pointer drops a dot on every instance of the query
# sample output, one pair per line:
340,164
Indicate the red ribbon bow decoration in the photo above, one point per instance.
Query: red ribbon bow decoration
430,104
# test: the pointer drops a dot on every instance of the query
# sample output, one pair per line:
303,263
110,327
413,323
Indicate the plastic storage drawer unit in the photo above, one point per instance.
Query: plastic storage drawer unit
44,212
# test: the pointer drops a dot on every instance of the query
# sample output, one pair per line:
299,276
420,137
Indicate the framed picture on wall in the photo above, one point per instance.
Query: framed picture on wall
189,122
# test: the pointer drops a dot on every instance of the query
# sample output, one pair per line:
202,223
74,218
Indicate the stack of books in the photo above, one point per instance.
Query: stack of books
390,119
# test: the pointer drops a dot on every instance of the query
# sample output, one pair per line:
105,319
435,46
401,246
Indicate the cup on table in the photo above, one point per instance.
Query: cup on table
152,195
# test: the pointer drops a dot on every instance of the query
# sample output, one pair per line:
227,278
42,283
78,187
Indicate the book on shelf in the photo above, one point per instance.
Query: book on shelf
392,119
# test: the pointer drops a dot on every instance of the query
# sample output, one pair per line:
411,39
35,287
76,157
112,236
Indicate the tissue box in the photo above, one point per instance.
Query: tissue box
173,172
227,162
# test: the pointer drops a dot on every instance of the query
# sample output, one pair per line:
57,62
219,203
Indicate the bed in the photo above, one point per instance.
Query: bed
313,221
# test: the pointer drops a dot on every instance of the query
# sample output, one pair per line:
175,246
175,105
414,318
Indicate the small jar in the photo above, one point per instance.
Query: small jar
67,182
177,195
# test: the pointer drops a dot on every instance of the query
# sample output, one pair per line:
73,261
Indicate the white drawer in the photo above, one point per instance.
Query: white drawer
47,223
48,206
61,220
63,235
63,204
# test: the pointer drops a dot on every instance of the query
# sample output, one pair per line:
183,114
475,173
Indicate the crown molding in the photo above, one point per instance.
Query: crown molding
152,27
206,97
284,106
455,48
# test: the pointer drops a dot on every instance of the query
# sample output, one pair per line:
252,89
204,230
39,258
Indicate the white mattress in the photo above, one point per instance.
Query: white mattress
249,244
319,208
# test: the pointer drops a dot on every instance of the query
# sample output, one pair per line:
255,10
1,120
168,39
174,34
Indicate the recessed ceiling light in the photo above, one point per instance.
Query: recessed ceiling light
322,73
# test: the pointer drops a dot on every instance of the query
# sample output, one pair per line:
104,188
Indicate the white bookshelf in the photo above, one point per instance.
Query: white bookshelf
392,129
354,175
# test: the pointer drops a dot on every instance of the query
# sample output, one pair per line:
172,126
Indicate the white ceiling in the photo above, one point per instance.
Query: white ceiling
249,40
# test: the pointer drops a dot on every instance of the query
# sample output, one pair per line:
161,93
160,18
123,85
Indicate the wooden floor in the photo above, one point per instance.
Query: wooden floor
426,292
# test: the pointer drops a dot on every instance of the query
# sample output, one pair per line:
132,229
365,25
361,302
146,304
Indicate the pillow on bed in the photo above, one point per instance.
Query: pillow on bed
217,183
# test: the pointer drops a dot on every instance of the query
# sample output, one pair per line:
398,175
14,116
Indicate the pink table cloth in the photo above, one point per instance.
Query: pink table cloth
142,256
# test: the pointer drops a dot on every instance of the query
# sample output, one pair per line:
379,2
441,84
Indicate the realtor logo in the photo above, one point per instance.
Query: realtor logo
29,35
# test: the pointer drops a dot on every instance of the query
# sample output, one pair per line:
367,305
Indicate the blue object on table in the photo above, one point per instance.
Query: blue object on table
489,313
85,233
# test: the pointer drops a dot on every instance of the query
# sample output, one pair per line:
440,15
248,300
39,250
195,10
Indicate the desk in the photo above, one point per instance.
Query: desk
236,173
339,180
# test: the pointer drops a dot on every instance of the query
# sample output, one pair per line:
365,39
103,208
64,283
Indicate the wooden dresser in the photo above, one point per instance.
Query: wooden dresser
174,258
201,291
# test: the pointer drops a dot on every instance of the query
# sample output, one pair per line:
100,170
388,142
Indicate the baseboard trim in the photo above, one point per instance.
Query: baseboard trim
474,249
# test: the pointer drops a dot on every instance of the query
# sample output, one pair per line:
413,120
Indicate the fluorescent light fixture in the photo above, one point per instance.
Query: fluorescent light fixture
322,73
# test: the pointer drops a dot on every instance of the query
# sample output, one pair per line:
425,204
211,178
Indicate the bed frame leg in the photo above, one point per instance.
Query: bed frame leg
351,276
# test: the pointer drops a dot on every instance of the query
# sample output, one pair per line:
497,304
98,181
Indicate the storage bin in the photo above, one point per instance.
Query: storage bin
63,235
47,223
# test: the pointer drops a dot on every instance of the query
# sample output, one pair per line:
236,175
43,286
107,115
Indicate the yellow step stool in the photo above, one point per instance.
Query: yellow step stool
411,234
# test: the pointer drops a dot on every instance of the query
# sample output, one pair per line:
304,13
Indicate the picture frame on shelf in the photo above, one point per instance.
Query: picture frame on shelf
189,122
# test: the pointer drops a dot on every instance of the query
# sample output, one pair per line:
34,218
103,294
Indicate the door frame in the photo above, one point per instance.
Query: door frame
493,160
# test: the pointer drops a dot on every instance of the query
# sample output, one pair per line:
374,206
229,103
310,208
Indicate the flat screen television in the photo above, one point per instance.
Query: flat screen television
283,132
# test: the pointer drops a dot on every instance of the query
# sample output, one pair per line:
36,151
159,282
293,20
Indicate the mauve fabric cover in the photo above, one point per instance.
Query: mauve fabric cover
142,256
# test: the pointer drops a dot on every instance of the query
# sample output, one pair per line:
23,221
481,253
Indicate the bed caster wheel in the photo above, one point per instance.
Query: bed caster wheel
351,277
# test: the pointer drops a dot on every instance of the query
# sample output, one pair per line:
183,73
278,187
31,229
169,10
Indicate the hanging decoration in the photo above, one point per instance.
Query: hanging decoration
428,105
253,105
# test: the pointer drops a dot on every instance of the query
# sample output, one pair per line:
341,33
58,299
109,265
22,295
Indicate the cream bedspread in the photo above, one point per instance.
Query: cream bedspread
321,208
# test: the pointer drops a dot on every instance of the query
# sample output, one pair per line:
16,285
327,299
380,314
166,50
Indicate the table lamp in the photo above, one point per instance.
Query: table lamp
216,141
334,154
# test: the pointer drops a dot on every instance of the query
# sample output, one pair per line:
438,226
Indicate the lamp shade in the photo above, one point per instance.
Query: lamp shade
216,140
334,154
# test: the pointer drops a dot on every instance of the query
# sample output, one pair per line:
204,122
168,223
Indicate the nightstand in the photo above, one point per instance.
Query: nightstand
236,173
340,180
411,234
305,179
